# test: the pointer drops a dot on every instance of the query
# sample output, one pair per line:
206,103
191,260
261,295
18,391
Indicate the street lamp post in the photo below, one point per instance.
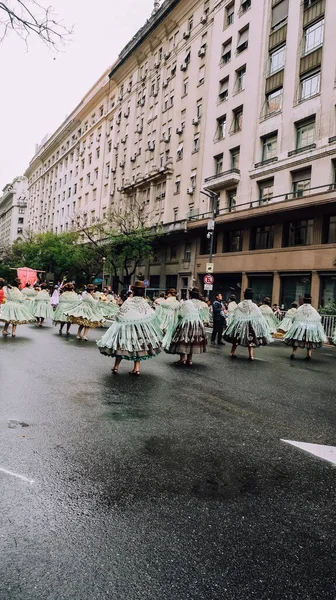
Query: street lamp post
103,278
211,223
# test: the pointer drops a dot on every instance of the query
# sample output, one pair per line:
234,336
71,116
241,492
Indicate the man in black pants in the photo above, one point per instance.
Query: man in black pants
218,320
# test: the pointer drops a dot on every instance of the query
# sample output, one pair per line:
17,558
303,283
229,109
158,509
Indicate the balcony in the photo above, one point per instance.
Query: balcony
303,149
222,181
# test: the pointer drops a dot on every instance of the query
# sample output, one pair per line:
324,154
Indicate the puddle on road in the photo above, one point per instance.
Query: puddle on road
127,413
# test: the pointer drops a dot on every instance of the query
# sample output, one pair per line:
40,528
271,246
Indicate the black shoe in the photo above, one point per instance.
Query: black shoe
292,356
308,358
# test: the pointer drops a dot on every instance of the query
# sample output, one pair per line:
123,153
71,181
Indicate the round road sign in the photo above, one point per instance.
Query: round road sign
208,279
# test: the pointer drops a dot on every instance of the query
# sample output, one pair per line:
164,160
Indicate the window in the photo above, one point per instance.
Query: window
180,151
90,159
240,79
177,186
269,147
229,15
242,40
274,102
201,74
305,134
279,14
185,87
245,6
98,152
109,146
88,178
175,214
265,189
277,60
221,127
262,238
190,23
21,211
329,230
313,36
69,192
20,220
226,51
173,249
231,199
237,119
206,243
199,108
96,173
298,233
19,230
310,85
218,164
235,155
187,251
233,241
196,142
223,89
301,181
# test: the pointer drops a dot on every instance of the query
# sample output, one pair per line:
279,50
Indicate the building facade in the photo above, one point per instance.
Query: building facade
236,98
13,210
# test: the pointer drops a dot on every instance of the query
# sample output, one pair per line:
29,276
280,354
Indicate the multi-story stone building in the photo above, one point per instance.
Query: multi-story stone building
13,208
233,97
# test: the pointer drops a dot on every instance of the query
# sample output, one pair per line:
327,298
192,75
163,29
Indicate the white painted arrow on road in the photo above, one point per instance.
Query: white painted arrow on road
325,452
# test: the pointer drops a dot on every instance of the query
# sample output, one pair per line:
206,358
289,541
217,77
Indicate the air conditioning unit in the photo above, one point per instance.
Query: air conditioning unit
195,121
142,102
118,189
202,51
123,140
139,129
122,164
179,130
120,97
113,169
166,55
118,121
184,66
108,133
116,146
156,64
204,18
165,138
133,158
173,70
165,83
126,114
151,146
128,89
143,78
186,35
190,191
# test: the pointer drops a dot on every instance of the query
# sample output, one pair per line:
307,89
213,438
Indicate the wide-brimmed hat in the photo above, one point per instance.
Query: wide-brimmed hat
138,284
267,299
307,298
232,297
248,294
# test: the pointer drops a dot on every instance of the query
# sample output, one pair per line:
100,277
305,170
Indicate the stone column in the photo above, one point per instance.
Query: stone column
315,289
244,284
276,288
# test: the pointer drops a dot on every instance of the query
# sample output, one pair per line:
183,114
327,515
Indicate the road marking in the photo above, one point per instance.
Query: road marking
325,452
22,477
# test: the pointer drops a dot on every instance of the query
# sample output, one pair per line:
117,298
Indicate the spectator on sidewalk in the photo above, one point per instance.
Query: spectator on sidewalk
218,320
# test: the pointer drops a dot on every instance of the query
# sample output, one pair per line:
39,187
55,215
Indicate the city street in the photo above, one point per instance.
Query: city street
172,486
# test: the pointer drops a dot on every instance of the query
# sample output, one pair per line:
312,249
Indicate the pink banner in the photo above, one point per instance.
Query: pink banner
26,275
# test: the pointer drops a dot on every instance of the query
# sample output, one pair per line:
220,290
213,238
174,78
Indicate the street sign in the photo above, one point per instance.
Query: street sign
210,268
208,287
209,279
211,225
147,282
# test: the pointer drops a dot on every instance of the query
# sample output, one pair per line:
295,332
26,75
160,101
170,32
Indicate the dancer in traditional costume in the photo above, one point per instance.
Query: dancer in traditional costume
160,299
306,330
41,306
288,318
68,299
2,292
86,314
189,336
55,298
231,308
333,339
16,311
135,333
29,292
167,313
269,315
204,310
107,308
248,327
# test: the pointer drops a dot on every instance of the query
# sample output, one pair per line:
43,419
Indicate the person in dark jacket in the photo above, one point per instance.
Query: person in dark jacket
218,320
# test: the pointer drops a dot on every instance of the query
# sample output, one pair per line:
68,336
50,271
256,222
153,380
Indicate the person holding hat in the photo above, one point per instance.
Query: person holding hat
135,333
248,327
189,336
68,299
269,315
306,330
86,314
15,311
167,312
41,308
231,308
288,318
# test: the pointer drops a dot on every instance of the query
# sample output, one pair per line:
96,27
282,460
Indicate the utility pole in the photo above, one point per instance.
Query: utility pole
211,223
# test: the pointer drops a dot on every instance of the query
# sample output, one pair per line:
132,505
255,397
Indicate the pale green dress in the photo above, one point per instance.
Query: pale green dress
66,302
41,306
16,310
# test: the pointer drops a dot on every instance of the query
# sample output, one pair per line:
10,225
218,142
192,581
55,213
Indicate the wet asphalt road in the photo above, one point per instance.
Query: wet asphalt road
171,486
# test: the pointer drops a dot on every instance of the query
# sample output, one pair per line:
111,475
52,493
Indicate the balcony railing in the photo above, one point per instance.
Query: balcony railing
223,180
322,189
303,149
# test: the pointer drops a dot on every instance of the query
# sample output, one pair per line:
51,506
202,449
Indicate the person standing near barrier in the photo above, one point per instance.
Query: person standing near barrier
218,320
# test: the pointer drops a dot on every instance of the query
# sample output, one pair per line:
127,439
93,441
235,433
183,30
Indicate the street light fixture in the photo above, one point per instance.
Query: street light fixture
104,260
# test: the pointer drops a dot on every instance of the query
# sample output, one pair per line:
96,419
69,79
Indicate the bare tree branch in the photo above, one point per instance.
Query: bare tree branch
26,17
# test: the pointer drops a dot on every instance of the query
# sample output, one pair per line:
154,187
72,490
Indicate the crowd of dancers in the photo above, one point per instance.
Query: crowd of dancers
141,328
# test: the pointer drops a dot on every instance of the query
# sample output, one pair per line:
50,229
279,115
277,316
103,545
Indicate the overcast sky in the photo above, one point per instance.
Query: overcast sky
39,88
